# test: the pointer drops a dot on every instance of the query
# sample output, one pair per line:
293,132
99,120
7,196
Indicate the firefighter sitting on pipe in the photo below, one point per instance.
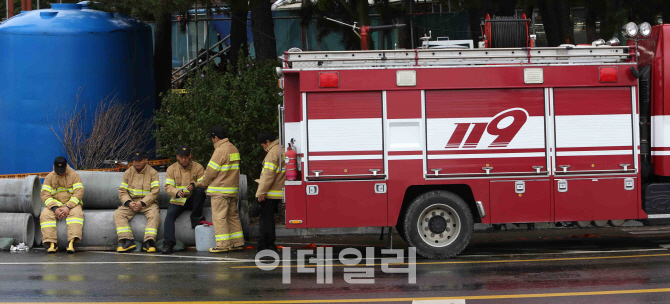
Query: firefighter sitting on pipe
180,180
62,192
138,193
222,179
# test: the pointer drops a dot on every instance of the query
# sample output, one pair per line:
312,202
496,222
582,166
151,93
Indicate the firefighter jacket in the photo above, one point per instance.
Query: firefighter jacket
178,178
58,190
274,173
222,176
143,186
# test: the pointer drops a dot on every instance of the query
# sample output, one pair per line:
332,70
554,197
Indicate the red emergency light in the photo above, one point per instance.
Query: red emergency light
608,74
329,80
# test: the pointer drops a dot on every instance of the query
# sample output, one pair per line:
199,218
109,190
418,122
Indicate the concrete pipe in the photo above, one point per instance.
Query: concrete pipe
617,223
99,228
38,232
20,226
600,223
583,224
101,190
21,195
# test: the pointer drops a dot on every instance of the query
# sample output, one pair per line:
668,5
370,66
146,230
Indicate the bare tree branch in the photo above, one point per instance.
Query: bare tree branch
117,129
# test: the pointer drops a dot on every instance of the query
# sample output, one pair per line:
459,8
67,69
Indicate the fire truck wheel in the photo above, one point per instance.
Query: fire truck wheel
439,224
400,228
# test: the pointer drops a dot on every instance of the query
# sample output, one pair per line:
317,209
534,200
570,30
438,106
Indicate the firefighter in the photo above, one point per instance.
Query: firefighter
180,180
62,192
269,193
221,179
138,193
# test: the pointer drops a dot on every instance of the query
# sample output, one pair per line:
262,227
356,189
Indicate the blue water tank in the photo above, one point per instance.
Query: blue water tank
144,62
47,59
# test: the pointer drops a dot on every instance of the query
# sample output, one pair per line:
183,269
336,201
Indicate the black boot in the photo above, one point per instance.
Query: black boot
149,246
168,247
128,245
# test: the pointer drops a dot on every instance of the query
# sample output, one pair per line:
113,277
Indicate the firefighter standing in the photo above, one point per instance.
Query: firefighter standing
138,193
270,193
62,192
221,179
180,180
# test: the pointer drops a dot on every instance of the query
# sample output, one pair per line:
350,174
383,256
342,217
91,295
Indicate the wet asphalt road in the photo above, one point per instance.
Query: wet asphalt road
606,265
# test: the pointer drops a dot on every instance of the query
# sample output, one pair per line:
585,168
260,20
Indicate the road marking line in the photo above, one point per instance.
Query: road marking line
649,232
120,262
338,245
373,300
176,256
455,301
480,262
561,252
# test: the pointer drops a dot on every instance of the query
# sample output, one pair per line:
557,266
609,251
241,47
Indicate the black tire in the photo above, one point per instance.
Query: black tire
400,228
438,208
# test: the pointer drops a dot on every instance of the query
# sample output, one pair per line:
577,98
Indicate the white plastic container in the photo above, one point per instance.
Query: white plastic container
204,237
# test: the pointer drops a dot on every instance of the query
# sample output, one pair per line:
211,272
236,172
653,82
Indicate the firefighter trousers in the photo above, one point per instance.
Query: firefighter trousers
266,224
227,225
123,215
195,202
74,221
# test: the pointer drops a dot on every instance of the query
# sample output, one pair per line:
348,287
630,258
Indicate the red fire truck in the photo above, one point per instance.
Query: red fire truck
431,141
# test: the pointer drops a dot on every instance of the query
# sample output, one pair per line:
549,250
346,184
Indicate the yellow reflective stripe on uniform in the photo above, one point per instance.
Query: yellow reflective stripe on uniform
270,166
138,192
75,220
179,200
124,186
275,193
222,237
48,224
155,184
170,182
77,186
47,188
200,179
214,165
150,231
222,189
75,200
236,235
223,167
123,229
61,189
229,167
234,156
51,200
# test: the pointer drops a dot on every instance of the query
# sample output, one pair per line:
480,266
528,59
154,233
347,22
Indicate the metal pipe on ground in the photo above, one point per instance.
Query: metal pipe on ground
20,226
21,195
101,190
99,228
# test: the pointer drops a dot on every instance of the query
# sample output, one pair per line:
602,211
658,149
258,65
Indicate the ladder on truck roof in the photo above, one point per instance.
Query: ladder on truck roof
299,60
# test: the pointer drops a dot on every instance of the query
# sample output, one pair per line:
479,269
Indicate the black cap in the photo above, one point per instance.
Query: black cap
139,154
218,131
264,137
60,165
184,150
